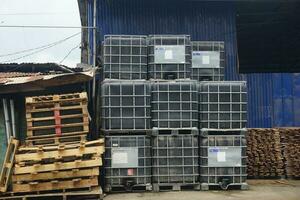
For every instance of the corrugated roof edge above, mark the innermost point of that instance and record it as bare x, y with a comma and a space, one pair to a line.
36, 67
38, 81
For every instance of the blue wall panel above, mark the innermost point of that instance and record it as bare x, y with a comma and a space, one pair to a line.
274, 99
277, 100
201, 20
287, 99
296, 99
259, 100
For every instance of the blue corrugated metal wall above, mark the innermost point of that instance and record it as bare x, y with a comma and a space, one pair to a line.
273, 98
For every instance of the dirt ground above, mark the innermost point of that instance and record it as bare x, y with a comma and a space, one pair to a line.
259, 190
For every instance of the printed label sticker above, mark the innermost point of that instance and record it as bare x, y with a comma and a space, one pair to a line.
119, 158
221, 156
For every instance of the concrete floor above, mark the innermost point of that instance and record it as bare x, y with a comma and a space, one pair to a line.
259, 190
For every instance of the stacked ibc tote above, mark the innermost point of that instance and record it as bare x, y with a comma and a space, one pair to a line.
174, 109
126, 116
222, 119
156, 94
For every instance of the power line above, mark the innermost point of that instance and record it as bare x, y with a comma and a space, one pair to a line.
69, 53
36, 13
30, 54
37, 51
40, 47
48, 27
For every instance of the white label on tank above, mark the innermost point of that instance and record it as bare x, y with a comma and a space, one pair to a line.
168, 54
205, 60
221, 156
119, 158
115, 145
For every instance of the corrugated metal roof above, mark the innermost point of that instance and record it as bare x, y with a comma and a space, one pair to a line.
17, 74
273, 98
36, 68
11, 83
9, 77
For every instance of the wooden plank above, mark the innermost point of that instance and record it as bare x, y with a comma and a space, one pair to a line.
45, 186
60, 146
8, 164
56, 97
58, 166
54, 141
38, 119
36, 110
55, 101
83, 95
50, 104
53, 126
29, 133
58, 154
47, 108
67, 129
53, 135
73, 173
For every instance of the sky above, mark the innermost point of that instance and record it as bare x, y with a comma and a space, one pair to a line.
45, 13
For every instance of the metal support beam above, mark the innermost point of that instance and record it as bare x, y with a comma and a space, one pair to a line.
13, 118
7, 121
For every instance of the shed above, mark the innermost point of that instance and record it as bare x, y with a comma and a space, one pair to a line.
28, 79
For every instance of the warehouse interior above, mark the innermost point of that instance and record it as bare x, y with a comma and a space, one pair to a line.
268, 36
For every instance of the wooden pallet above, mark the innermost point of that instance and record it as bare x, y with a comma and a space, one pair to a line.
60, 146
65, 130
62, 154
57, 115
56, 185
8, 164
58, 152
55, 175
58, 97
66, 194
53, 141
58, 166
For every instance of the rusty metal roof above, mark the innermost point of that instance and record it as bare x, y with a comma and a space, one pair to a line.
17, 74
9, 77
36, 68
12, 82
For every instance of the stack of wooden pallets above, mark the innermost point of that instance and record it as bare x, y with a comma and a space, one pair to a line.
290, 138
56, 160
264, 154
58, 167
57, 118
